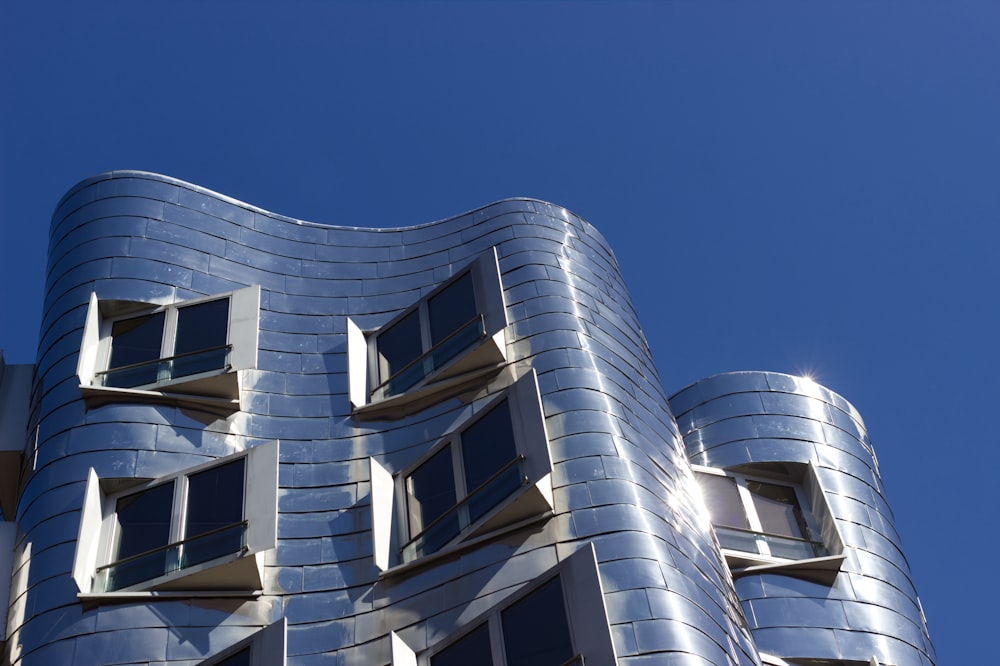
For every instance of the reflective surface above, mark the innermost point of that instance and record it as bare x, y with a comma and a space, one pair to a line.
621, 478
759, 423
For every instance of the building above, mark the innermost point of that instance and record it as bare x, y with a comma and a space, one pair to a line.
255, 440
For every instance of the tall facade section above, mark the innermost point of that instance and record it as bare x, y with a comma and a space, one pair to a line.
257, 440
820, 571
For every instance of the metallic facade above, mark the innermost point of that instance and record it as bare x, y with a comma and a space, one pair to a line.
623, 501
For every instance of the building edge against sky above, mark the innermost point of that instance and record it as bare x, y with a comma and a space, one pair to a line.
255, 440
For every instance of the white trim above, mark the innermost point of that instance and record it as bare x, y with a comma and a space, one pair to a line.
817, 515
382, 491
402, 655
238, 574
532, 501
217, 390
468, 369
583, 601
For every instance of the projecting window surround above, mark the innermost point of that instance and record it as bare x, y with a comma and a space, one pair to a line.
560, 620
264, 648
203, 529
773, 517
492, 474
452, 337
191, 351
768, 660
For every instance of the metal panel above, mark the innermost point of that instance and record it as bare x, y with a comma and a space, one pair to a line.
799, 421
620, 468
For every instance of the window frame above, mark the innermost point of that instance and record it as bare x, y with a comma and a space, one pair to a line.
499, 634
466, 367
267, 647
583, 604
215, 387
532, 500
816, 515
236, 573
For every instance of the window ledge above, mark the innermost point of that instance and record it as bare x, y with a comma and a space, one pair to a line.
216, 392
459, 546
822, 570
237, 572
485, 360
123, 597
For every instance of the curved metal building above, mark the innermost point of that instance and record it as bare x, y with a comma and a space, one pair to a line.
257, 440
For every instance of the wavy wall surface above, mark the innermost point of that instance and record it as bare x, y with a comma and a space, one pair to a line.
620, 478
755, 420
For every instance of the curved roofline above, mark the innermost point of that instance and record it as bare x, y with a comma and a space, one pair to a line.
758, 372
149, 175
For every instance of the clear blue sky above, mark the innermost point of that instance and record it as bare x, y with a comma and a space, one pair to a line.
792, 186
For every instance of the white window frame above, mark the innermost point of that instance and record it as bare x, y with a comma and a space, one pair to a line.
481, 359
583, 600
816, 512
267, 647
236, 574
218, 388
529, 503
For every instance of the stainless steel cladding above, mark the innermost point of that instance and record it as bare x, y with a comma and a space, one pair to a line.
257, 440
821, 575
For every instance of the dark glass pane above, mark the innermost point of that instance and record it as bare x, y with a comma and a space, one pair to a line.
135, 340
204, 326
494, 492
406, 379
435, 537
487, 446
451, 308
241, 658
778, 509
535, 629
214, 501
204, 361
432, 489
144, 520
143, 525
398, 345
471, 650
723, 501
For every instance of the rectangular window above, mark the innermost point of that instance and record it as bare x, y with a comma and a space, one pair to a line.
489, 474
761, 517
428, 337
170, 344
191, 348
175, 525
775, 518
462, 481
453, 335
533, 631
560, 620
179, 527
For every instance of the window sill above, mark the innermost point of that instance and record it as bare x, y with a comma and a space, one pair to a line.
124, 597
217, 392
822, 570
464, 372
528, 505
236, 574
459, 546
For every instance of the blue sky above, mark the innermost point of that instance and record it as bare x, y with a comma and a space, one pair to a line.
796, 186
